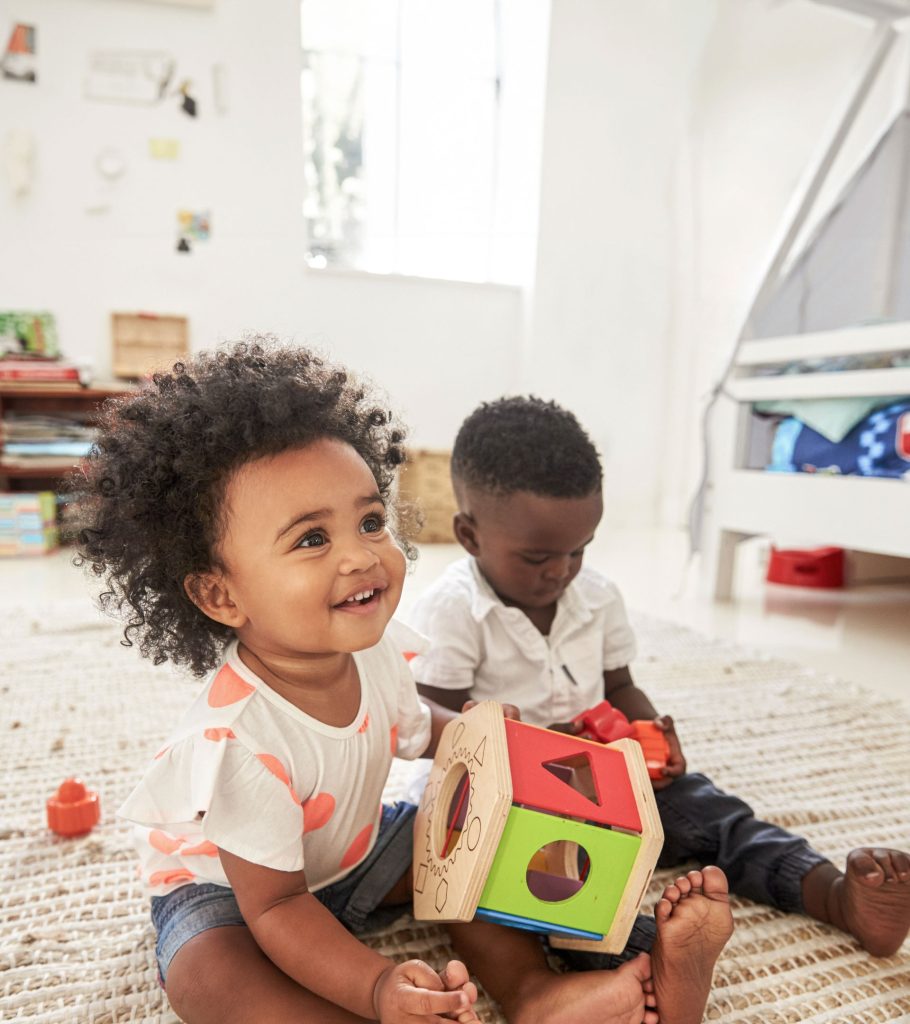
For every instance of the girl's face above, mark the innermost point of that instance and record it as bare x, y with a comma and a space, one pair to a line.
310, 565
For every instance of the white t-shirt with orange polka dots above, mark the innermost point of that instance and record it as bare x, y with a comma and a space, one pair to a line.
249, 772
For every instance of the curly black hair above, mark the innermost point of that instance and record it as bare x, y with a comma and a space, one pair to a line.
151, 493
526, 444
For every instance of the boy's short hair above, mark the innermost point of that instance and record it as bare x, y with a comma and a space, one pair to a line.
526, 444
150, 495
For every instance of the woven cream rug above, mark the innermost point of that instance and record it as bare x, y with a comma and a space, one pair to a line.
814, 754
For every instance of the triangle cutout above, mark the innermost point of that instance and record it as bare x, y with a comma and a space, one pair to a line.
576, 772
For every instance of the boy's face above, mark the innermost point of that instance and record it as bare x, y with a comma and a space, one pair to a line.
306, 532
529, 547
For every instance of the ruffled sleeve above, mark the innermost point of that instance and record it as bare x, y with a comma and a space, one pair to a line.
243, 801
411, 733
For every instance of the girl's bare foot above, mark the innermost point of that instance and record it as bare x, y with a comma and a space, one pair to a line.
693, 925
871, 900
623, 996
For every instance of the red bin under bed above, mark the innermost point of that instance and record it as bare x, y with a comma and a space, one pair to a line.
820, 567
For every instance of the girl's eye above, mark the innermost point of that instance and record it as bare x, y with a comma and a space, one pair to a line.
313, 539
534, 561
373, 524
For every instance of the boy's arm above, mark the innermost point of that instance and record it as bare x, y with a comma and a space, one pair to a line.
620, 690
451, 705
302, 938
454, 700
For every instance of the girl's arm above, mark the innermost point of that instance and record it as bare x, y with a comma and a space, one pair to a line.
301, 937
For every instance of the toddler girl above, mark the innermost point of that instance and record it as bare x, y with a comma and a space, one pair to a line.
240, 512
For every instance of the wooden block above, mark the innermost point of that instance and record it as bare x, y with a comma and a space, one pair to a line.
613, 801
589, 904
652, 841
448, 881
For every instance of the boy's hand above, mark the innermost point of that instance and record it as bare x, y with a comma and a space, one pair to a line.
413, 993
676, 763
508, 710
570, 728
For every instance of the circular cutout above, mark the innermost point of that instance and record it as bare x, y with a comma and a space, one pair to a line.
558, 871
454, 800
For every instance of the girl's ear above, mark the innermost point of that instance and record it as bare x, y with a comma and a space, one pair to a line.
209, 592
466, 532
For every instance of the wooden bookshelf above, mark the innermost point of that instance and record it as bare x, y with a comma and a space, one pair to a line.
47, 400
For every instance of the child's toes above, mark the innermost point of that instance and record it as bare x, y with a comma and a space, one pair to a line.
671, 893
662, 910
684, 883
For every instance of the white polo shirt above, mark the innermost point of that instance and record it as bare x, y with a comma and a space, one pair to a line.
479, 644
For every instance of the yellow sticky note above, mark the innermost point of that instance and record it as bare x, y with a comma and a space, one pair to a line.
164, 149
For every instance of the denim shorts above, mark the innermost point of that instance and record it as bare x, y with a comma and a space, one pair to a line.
354, 900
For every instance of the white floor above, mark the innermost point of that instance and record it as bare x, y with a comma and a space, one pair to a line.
861, 634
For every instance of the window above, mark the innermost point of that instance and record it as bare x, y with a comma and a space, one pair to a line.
422, 127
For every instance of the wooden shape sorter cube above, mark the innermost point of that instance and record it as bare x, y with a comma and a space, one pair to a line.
535, 829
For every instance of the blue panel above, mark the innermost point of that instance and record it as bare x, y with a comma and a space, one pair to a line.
514, 921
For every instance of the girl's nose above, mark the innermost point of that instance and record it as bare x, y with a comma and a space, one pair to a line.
358, 556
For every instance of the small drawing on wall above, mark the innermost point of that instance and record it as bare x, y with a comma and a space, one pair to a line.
192, 227
188, 103
19, 62
129, 76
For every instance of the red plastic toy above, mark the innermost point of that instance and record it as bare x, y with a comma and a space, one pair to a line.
73, 810
605, 724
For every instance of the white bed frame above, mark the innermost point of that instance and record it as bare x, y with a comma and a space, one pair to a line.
856, 513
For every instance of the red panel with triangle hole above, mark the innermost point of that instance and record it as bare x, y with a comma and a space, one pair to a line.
554, 772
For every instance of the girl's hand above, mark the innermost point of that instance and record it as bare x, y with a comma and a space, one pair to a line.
676, 763
413, 993
508, 710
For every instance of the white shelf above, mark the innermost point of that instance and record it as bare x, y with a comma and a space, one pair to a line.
846, 342
821, 385
756, 502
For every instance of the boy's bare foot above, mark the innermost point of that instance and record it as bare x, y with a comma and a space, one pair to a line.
871, 900
623, 996
693, 925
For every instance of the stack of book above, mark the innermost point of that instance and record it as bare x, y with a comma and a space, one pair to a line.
34, 373
45, 442
28, 523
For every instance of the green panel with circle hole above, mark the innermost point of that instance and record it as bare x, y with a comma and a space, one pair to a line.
590, 904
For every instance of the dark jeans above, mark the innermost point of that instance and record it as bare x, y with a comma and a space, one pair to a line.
762, 862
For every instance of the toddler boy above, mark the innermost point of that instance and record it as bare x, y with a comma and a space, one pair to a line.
521, 620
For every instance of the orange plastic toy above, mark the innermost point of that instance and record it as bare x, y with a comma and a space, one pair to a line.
604, 723
654, 746
73, 810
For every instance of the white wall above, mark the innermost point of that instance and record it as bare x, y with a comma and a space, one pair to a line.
437, 347
602, 326
675, 137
